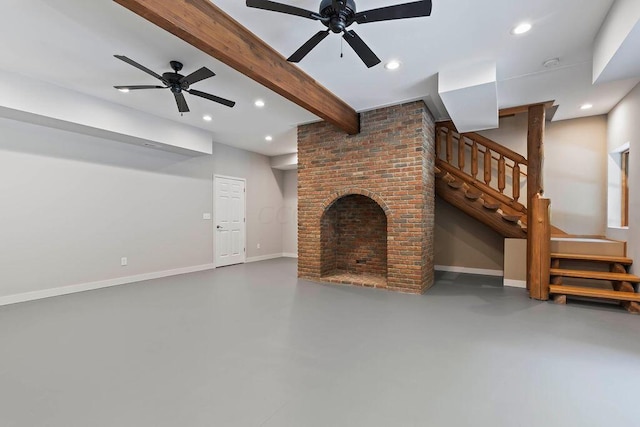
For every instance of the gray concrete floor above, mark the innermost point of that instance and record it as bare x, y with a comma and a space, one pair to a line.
251, 345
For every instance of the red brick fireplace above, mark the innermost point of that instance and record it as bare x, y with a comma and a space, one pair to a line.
366, 202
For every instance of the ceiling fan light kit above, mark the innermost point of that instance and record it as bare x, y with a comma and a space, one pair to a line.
176, 83
338, 15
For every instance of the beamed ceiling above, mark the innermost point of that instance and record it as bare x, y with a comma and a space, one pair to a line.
71, 43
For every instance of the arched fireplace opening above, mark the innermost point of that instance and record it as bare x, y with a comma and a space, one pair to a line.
354, 242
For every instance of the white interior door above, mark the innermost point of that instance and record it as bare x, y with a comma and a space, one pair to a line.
229, 220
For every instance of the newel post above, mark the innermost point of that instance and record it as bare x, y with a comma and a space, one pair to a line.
535, 151
539, 248
538, 226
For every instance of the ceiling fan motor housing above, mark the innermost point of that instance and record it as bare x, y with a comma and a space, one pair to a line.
173, 79
340, 19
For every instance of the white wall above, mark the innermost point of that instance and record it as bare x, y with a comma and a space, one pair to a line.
71, 205
289, 217
575, 171
624, 127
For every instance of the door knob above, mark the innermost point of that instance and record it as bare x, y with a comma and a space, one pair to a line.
219, 227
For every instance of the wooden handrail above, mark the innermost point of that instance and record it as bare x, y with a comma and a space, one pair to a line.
491, 192
494, 146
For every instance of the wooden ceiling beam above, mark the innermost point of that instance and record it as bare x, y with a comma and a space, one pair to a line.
205, 26
512, 111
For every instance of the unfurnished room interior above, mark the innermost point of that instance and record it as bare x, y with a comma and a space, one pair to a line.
319, 213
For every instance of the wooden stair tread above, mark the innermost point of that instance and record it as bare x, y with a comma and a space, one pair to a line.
593, 293
473, 195
598, 258
512, 218
455, 184
490, 205
597, 275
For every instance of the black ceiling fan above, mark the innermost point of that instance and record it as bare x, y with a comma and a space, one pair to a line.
337, 15
177, 83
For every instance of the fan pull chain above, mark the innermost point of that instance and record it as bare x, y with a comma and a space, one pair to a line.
341, 46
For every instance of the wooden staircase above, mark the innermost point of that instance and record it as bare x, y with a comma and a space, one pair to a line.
606, 275
485, 179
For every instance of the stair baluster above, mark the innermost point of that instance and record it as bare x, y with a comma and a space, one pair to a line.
461, 153
515, 182
474, 160
501, 174
487, 166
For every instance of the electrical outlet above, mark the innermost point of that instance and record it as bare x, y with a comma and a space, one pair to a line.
258, 246
124, 261
206, 216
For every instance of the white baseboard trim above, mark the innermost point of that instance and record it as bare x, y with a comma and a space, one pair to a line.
263, 257
70, 289
522, 284
466, 270
272, 256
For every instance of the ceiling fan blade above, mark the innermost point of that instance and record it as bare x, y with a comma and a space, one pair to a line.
399, 11
360, 47
198, 75
141, 87
181, 102
139, 67
212, 97
308, 46
283, 8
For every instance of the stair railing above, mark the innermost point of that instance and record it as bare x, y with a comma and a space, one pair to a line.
479, 160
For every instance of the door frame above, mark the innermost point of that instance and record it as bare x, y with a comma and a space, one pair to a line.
215, 220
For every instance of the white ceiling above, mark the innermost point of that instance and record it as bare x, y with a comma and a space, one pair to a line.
71, 43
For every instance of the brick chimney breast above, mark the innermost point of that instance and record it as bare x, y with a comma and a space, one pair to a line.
366, 201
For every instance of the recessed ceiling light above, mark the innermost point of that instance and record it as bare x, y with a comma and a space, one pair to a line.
207, 118
586, 106
268, 138
521, 28
259, 103
124, 90
392, 65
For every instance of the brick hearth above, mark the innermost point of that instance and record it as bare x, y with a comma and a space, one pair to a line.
366, 202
